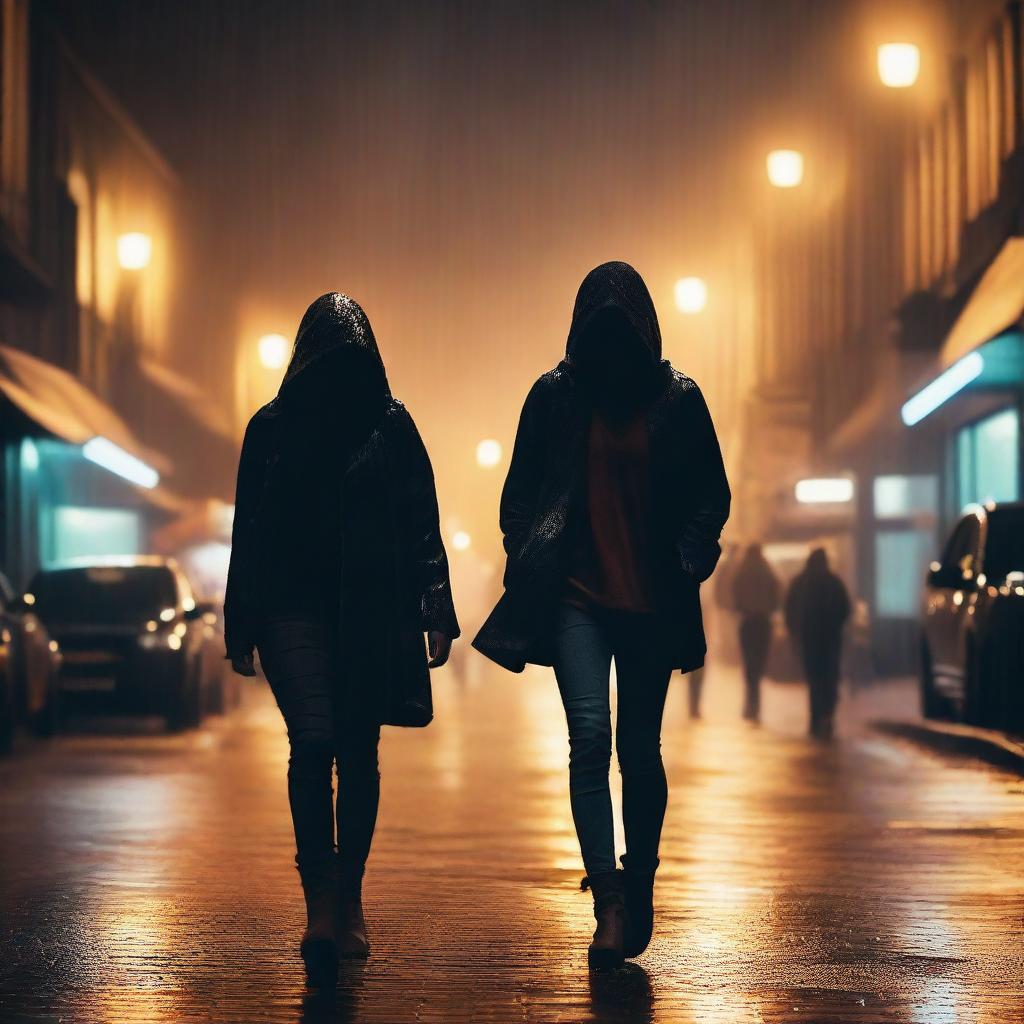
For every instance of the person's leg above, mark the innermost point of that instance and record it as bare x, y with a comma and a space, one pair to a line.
643, 678
751, 683
582, 666
760, 640
297, 662
695, 688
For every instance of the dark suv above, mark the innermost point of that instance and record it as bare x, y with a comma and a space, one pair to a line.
972, 651
131, 634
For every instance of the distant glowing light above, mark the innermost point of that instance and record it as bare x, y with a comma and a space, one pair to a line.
174, 641
899, 64
167, 614
29, 455
134, 250
785, 168
273, 349
54, 646
108, 455
691, 294
942, 389
824, 490
461, 540
488, 453
29, 599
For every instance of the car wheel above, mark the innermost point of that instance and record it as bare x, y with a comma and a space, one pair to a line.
7, 726
979, 700
48, 720
932, 704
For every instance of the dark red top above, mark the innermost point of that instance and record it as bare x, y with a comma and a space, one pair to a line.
611, 559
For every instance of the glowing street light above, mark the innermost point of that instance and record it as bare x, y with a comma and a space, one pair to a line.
898, 64
115, 459
488, 453
273, 349
134, 250
461, 540
785, 168
691, 294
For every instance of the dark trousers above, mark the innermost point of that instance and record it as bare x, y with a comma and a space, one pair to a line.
299, 659
585, 643
821, 667
755, 639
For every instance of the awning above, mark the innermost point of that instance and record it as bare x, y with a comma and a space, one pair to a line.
995, 305
189, 397
66, 408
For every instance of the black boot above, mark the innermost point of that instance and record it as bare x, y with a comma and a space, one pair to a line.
638, 883
350, 923
605, 950
319, 946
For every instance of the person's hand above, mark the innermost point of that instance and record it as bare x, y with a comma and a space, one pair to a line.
243, 664
440, 646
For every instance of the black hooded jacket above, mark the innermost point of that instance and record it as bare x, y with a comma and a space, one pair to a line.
544, 496
335, 463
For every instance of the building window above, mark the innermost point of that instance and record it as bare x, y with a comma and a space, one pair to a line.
988, 459
906, 497
901, 560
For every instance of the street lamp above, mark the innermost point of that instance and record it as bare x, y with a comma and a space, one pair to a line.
898, 64
134, 250
488, 453
691, 294
785, 168
273, 349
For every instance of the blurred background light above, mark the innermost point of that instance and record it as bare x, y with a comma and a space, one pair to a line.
898, 64
273, 349
134, 250
488, 453
108, 455
943, 388
824, 490
785, 168
691, 294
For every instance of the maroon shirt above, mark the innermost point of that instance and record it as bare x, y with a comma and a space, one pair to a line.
611, 560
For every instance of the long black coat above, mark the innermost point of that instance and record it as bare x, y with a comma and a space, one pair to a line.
545, 492
394, 583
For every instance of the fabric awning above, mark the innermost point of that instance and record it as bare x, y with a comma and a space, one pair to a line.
66, 408
995, 305
189, 397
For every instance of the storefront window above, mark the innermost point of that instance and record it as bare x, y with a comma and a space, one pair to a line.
901, 560
903, 497
81, 532
988, 459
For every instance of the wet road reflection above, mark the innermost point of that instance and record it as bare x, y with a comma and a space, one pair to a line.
148, 878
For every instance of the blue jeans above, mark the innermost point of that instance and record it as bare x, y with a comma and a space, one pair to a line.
585, 643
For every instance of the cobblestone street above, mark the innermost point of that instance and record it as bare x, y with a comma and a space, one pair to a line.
866, 881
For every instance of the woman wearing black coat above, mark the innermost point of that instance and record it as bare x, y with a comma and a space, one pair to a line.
611, 513
337, 571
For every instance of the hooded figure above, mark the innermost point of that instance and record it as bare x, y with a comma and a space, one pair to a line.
337, 572
817, 607
611, 512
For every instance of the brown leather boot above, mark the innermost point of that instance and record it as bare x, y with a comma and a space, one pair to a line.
350, 924
638, 883
606, 949
319, 946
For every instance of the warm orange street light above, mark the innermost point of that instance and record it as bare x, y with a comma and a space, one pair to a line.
134, 250
691, 294
273, 349
488, 453
785, 168
899, 64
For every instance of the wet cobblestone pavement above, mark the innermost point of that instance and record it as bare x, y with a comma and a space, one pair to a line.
147, 878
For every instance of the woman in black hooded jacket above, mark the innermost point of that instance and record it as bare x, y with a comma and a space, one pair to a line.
337, 571
615, 499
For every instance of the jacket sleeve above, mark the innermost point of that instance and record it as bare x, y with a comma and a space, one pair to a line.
709, 495
423, 534
239, 610
521, 492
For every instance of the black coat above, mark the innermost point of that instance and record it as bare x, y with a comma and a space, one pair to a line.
545, 491
393, 584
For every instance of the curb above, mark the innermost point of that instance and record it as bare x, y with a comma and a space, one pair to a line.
988, 745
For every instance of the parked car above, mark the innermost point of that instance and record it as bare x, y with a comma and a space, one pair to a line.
972, 649
29, 693
132, 636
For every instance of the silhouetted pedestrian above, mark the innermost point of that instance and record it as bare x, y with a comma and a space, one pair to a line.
755, 598
817, 607
611, 513
337, 571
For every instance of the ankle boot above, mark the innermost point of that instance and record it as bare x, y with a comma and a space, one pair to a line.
319, 947
353, 943
638, 883
609, 911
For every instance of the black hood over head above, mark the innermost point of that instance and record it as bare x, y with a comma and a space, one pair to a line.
614, 342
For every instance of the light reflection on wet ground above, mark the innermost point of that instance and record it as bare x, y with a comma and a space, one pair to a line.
148, 878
